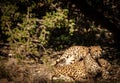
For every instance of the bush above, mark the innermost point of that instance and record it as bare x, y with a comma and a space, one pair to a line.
27, 37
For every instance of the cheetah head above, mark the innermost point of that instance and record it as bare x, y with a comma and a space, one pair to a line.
96, 51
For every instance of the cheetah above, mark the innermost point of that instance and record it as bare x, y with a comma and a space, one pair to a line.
75, 71
77, 53
83, 71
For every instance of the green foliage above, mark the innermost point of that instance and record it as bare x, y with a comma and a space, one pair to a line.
27, 36
22, 37
9, 15
58, 19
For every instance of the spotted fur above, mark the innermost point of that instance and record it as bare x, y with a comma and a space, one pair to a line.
96, 51
76, 71
92, 67
77, 53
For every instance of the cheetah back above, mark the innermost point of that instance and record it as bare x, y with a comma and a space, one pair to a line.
75, 71
73, 54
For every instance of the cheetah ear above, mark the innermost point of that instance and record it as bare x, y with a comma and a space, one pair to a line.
90, 47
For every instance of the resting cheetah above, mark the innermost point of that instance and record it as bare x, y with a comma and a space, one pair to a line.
76, 53
82, 71
76, 71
